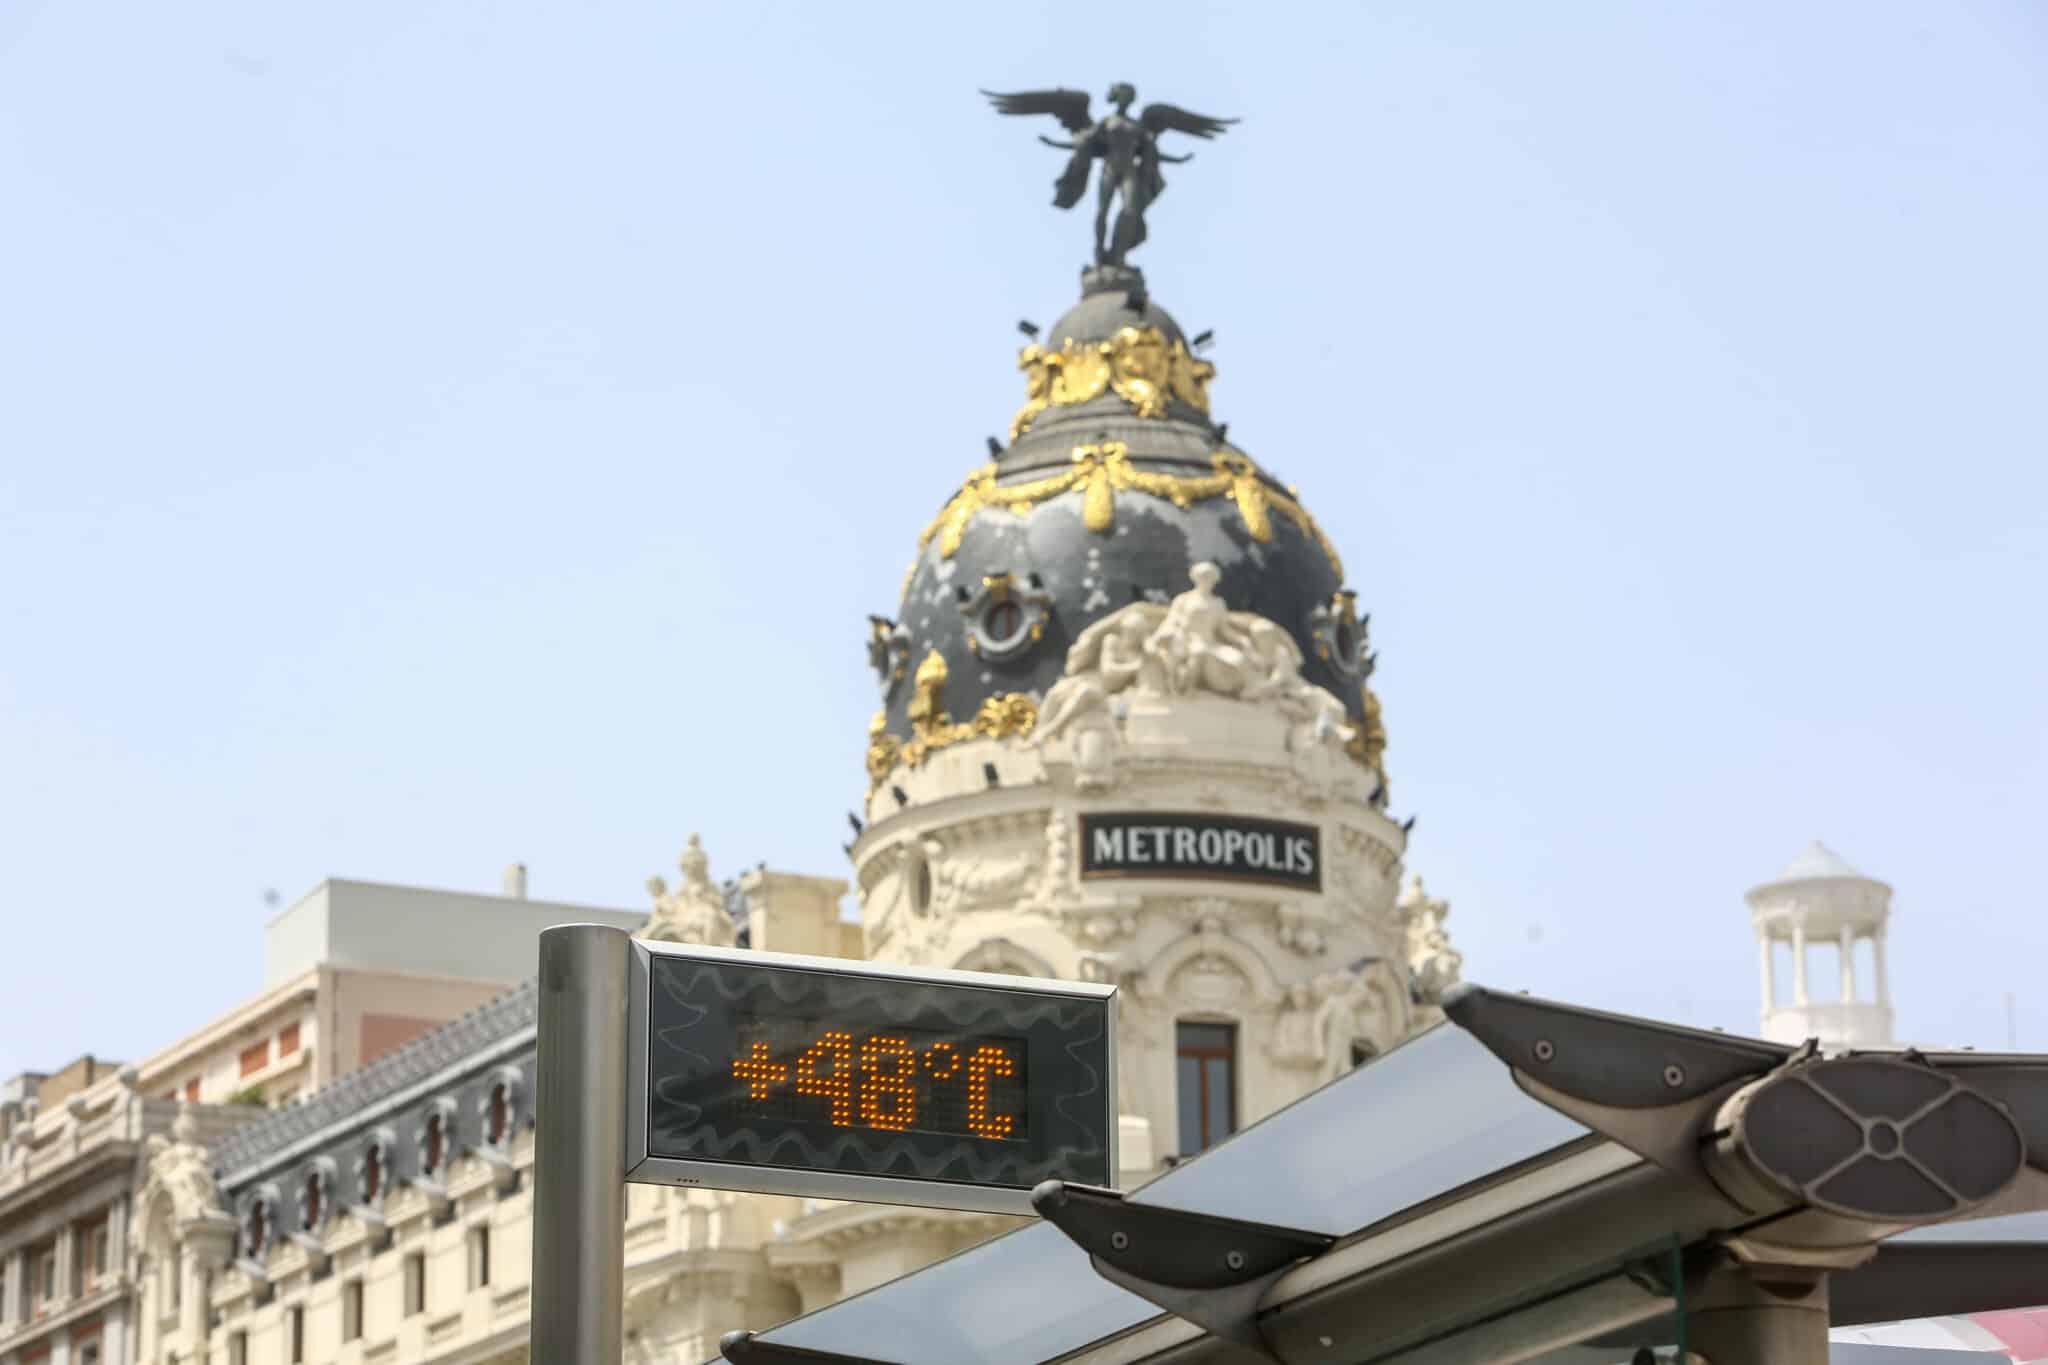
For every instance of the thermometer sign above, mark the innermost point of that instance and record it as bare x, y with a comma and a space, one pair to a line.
858, 1080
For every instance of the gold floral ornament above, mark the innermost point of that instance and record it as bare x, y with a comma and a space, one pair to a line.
1139, 364
1006, 716
1369, 744
882, 750
1101, 471
1010, 715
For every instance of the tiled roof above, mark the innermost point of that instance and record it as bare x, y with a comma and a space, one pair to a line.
427, 1055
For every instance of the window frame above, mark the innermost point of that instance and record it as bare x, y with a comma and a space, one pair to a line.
1226, 1052
414, 1283
352, 1309
42, 1279
478, 1244
92, 1237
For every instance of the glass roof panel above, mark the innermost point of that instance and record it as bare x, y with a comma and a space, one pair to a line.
2013, 1227
1020, 1299
1432, 1115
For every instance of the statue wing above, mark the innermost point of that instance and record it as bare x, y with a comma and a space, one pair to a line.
1073, 181
1171, 118
1070, 107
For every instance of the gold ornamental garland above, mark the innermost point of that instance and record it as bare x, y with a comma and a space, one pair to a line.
1138, 364
1100, 471
1000, 717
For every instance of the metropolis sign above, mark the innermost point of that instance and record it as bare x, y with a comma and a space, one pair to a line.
1218, 847
852, 1080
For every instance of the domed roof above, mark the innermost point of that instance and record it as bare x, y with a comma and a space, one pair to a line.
1817, 861
1115, 483
1112, 299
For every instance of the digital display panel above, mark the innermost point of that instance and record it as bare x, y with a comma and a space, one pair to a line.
891, 1079
856, 1080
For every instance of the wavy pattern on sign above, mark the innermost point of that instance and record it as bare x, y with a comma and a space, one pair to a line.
694, 1002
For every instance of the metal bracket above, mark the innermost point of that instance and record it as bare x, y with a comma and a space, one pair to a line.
1611, 1060
1207, 1270
744, 1348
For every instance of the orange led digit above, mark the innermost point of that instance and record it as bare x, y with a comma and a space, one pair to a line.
759, 1070
988, 1060
943, 1061
834, 1049
887, 1098
887, 1079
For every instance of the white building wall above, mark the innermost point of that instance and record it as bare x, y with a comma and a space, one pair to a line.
375, 927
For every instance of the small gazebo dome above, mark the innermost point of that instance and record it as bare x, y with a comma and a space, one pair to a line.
1819, 901
1817, 862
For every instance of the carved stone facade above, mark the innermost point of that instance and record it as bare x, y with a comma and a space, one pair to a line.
1185, 706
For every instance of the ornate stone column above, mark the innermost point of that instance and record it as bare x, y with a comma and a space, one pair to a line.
67, 1262
207, 1240
12, 1294
1769, 971
1799, 996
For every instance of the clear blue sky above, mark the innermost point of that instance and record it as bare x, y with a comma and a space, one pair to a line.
440, 433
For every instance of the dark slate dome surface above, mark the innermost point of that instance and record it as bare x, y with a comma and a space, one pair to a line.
1110, 300
1145, 554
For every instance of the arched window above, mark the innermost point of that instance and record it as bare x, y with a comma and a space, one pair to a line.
435, 1149
498, 1116
1004, 956
314, 1200
373, 1172
256, 1231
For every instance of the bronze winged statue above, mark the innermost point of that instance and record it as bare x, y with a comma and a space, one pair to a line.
1127, 147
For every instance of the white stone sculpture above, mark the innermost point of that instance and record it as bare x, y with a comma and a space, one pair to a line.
1195, 644
180, 1173
1296, 1040
1339, 1022
1432, 961
695, 911
1298, 929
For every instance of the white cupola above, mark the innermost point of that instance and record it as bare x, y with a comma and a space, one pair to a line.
1824, 910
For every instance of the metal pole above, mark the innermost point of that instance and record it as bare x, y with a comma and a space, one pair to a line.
1753, 1315
579, 1158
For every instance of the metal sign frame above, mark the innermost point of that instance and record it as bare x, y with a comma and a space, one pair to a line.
646, 1169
